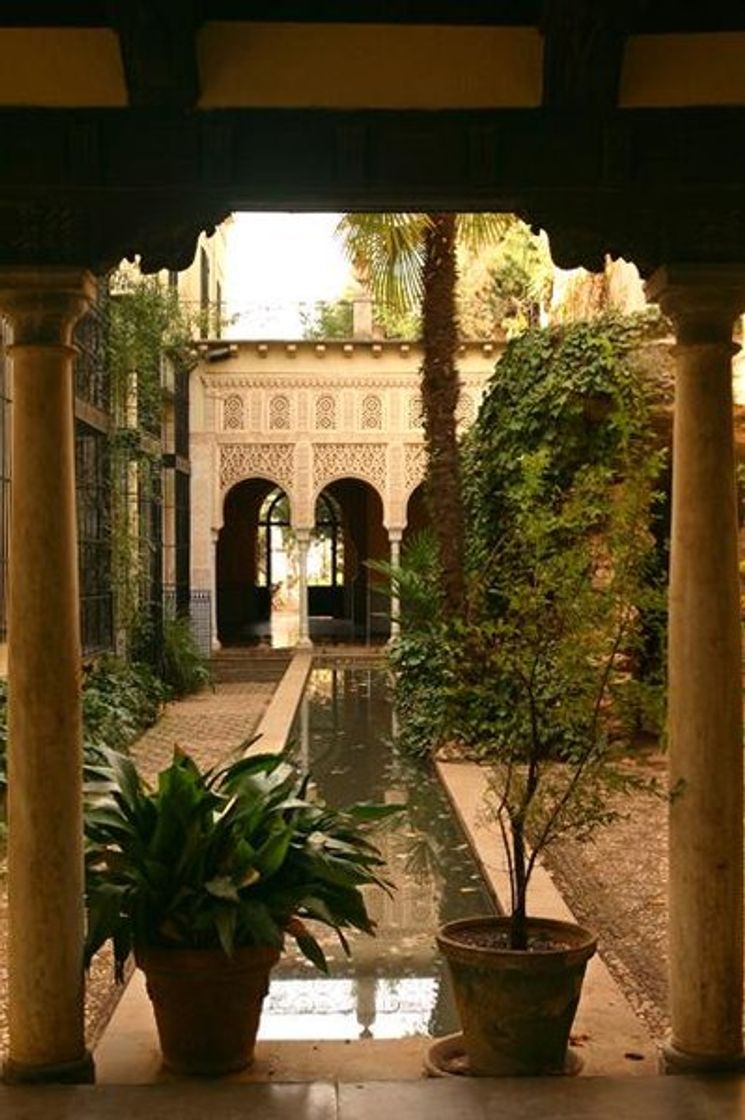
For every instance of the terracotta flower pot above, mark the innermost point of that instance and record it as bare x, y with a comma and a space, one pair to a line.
516, 1008
207, 1005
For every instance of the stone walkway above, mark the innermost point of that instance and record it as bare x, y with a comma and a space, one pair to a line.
211, 726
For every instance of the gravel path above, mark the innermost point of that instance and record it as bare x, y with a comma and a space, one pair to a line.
617, 885
211, 726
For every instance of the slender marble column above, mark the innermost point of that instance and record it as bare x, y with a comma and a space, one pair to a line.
45, 865
394, 539
215, 642
302, 536
705, 677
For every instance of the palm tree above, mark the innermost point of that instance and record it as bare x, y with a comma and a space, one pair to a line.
410, 260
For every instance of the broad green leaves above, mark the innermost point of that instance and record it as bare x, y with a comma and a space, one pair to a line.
226, 857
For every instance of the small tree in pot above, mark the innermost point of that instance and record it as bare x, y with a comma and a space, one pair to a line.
536, 673
205, 876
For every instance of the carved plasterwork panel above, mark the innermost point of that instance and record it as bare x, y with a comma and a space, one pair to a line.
279, 412
246, 460
232, 413
358, 460
325, 412
415, 415
415, 460
466, 410
372, 411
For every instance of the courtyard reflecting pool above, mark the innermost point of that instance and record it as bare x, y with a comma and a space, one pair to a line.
394, 984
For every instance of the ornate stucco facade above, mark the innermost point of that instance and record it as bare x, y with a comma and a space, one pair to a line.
305, 414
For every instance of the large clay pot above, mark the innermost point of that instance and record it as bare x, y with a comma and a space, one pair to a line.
207, 1005
516, 1008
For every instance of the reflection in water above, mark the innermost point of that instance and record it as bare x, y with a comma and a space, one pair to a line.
394, 984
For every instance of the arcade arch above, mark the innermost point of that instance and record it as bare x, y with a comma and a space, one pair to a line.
281, 583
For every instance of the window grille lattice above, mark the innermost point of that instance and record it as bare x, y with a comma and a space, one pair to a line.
93, 492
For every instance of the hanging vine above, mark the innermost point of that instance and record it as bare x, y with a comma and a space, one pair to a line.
149, 331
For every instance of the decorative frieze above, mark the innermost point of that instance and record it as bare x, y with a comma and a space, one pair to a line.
232, 413
248, 460
356, 460
372, 411
415, 460
415, 414
325, 413
279, 412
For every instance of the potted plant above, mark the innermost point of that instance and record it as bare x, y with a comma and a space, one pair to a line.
203, 878
536, 675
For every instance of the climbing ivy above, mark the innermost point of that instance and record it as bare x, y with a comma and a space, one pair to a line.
148, 331
562, 448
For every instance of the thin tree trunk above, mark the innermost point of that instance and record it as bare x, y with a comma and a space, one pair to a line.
440, 391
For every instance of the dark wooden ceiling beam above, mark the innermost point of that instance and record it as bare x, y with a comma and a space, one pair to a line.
157, 39
583, 52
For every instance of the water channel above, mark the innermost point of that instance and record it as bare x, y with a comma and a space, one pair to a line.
394, 984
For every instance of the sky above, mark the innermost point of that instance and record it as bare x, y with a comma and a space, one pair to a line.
275, 262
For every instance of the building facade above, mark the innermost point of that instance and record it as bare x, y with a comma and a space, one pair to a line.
332, 422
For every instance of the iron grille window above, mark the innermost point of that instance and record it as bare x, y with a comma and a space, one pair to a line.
183, 561
181, 412
93, 475
92, 381
93, 486
150, 524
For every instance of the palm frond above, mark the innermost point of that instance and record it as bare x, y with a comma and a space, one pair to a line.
477, 231
387, 250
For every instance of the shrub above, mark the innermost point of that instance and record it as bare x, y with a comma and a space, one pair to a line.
184, 668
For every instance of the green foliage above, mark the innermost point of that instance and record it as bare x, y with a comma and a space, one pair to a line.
149, 336
327, 320
560, 478
224, 858
504, 288
184, 669
416, 655
120, 699
574, 391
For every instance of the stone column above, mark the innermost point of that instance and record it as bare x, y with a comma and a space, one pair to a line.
705, 677
394, 539
45, 864
215, 640
302, 537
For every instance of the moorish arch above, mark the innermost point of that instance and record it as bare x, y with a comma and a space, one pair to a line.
344, 599
252, 510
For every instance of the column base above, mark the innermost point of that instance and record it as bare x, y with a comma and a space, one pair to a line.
80, 1072
303, 643
673, 1061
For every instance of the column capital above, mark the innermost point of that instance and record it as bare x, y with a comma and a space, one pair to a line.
395, 535
703, 300
302, 536
44, 304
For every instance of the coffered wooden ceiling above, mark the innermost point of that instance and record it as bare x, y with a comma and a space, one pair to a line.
129, 125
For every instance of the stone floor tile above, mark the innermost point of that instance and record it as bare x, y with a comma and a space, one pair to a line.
199, 1100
